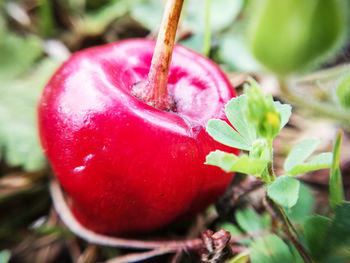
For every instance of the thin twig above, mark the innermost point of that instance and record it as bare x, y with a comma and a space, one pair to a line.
137, 257
176, 257
89, 255
94, 238
158, 247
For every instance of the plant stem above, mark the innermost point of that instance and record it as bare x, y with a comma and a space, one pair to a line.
207, 35
277, 211
155, 91
325, 74
327, 110
336, 188
288, 228
271, 172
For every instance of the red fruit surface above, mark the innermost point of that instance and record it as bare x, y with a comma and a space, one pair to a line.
126, 166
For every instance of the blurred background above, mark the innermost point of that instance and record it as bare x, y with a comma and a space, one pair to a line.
36, 36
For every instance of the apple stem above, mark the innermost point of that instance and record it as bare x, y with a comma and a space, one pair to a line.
155, 91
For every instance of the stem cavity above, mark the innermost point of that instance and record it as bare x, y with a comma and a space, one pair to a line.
154, 91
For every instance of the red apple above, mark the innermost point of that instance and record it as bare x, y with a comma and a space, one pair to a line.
126, 166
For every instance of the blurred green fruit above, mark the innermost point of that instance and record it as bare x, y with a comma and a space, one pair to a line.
291, 35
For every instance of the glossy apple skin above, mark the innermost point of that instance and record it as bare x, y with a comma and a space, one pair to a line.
126, 166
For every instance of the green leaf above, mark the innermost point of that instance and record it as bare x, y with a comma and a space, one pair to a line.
225, 134
47, 22
285, 111
142, 10
5, 256
315, 231
2, 24
338, 236
296, 254
248, 220
233, 50
235, 113
300, 153
18, 125
260, 150
329, 240
17, 54
242, 257
95, 23
233, 163
222, 14
304, 206
336, 191
284, 191
194, 42
235, 231
265, 220
271, 249
321, 161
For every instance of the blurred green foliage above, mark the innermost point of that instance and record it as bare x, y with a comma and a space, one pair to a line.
23, 73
